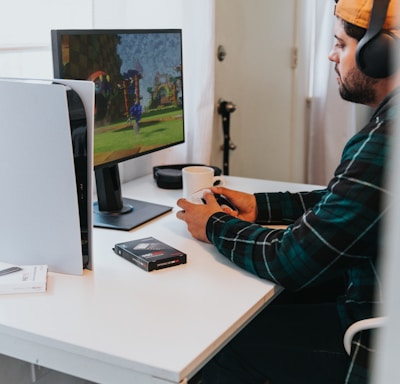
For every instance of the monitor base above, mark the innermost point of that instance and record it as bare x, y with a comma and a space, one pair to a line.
134, 213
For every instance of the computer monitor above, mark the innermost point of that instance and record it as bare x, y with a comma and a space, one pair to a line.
138, 106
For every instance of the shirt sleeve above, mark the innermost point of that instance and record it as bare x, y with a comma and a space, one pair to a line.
330, 229
285, 207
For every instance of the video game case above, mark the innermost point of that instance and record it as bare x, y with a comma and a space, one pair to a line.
150, 254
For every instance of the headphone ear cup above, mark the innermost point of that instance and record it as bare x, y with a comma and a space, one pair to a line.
373, 56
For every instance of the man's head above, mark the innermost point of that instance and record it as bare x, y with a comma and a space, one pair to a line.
353, 18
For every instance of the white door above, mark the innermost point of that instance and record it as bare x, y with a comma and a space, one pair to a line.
260, 76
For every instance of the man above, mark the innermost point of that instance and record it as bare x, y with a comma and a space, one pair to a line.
326, 258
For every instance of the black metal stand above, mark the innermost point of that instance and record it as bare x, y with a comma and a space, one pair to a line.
225, 108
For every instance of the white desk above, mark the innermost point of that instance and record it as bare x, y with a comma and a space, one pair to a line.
120, 324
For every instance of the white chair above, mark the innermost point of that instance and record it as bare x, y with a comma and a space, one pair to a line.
359, 326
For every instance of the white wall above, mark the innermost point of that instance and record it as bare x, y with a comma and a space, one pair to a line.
25, 26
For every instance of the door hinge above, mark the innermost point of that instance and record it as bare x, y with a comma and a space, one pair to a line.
294, 57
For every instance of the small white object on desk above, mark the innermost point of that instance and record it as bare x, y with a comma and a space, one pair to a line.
29, 279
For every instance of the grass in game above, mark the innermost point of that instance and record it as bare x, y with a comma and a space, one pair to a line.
156, 128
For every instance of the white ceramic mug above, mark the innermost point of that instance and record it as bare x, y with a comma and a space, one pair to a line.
198, 177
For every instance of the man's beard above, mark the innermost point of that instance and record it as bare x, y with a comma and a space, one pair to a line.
357, 87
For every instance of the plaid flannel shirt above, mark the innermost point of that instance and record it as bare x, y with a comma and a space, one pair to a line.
332, 232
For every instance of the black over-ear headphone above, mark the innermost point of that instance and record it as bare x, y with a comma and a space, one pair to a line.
374, 51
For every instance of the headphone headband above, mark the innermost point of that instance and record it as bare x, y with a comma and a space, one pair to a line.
378, 17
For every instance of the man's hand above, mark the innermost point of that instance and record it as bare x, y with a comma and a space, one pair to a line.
245, 203
197, 215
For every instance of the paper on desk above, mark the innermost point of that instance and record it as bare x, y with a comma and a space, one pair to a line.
32, 278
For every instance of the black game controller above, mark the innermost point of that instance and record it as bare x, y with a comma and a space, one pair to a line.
198, 198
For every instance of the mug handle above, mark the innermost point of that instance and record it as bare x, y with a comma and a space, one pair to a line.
218, 181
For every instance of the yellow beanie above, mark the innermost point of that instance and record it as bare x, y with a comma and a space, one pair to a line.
358, 12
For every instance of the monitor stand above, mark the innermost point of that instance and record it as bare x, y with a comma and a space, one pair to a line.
116, 212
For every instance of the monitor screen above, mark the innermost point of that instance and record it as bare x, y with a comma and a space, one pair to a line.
138, 104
